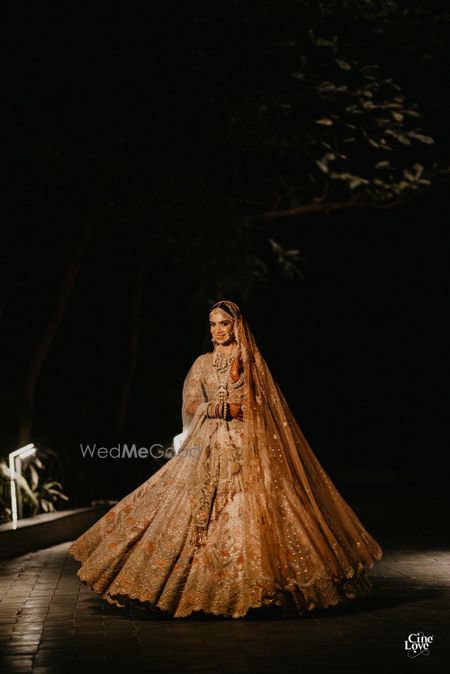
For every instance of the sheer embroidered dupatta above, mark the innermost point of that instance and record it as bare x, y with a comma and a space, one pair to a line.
278, 462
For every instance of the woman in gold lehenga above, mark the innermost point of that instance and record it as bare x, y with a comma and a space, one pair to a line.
242, 516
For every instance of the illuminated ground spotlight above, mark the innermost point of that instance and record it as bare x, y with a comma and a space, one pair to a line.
15, 467
178, 440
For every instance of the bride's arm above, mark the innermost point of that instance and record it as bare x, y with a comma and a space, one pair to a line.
192, 389
237, 387
237, 369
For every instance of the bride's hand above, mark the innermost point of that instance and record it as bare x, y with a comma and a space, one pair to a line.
236, 411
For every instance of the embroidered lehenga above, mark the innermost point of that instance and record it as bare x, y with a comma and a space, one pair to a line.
242, 516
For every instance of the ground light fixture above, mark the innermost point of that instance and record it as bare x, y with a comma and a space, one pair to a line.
15, 468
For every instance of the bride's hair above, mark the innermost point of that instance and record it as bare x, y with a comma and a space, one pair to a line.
228, 307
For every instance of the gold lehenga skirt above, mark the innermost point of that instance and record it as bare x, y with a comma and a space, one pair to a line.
177, 543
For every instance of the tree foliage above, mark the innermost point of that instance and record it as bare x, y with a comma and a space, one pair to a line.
224, 115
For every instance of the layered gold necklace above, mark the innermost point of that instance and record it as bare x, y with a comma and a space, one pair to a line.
222, 365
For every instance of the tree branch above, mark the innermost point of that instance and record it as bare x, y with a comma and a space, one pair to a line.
328, 207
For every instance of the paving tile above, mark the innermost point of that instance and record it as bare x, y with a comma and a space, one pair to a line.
51, 622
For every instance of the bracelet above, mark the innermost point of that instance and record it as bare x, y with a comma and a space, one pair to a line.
239, 382
220, 410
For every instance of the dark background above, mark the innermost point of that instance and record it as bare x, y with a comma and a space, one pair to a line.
113, 128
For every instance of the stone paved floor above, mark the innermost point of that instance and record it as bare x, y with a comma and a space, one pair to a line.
51, 622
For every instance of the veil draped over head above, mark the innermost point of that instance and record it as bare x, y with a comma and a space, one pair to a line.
277, 460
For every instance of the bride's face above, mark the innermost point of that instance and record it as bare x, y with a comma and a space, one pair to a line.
221, 327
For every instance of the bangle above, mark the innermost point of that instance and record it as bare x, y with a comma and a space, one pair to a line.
239, 382
219, 410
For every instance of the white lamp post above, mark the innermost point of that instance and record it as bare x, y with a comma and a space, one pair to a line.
15, 467
178, 440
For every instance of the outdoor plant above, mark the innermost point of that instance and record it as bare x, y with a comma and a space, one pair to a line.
40, 492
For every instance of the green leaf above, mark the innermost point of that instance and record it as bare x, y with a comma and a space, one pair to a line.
343, 64
353, 181
421, 137
398, 136
34, 477
323, 167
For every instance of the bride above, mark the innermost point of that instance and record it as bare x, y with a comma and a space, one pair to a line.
242, 516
